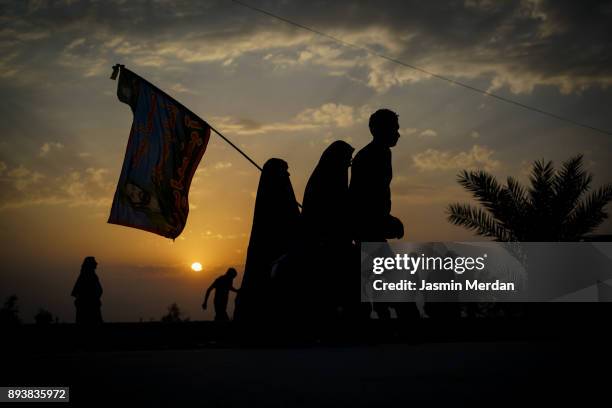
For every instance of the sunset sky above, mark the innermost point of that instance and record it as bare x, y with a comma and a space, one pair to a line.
277, 91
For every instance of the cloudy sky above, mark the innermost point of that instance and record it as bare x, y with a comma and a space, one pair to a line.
277, 91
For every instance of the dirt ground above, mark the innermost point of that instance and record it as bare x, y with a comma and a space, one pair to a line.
453, 374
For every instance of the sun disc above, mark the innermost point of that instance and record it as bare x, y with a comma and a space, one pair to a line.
196, 266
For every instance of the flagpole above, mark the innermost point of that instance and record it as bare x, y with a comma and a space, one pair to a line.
234, 146
118, 67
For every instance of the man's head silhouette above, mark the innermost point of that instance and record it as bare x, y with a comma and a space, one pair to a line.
231, 272
384, 126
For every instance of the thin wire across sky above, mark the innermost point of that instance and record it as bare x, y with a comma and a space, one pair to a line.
426, 72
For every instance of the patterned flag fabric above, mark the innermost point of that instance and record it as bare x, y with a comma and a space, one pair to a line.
165, 146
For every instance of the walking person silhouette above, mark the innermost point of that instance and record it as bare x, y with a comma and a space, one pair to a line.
370, 192
327, 232
222, 286
87, 292
275, 229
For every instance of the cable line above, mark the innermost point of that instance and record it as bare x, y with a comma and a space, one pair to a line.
424, 71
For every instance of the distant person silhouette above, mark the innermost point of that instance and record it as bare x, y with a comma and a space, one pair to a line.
275, 230
370, 192
87, 292
222, 286
326, 224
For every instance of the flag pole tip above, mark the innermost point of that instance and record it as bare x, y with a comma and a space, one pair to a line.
116, 69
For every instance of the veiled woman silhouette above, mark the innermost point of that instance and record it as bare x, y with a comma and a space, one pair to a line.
327, 230
274, 231
87, 292
326, 196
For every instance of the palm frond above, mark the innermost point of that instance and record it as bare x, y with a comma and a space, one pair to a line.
517, 207
478, 220
588, 214
487, 191
541, 192
543, 223
569, 184
516, 192
549, 210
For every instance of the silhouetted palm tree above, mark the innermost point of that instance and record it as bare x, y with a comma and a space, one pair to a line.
43, 317
174, 315
552, 209
9, 313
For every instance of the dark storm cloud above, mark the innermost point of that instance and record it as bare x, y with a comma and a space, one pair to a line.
515, 44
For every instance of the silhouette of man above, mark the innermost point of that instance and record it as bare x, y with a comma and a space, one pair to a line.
369, 190
87, 292
222, 285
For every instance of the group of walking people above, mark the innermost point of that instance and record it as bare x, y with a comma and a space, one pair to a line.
304, 265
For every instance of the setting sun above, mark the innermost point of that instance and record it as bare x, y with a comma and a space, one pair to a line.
196, 266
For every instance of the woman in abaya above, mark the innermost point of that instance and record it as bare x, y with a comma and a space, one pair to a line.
274, 231
326, 197
327, 227
87, 292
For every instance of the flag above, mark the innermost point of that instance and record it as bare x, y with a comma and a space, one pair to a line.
164, 149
